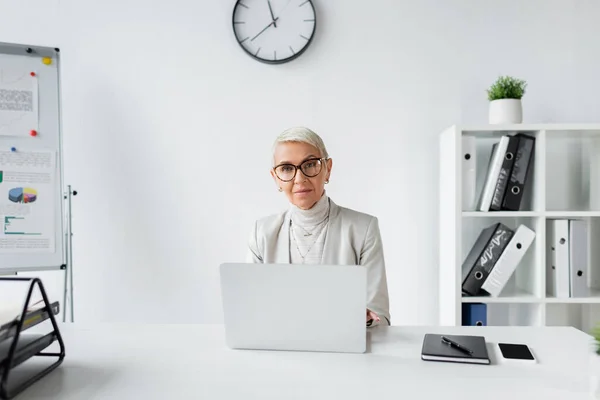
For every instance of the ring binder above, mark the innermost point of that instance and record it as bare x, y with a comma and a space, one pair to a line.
24, 347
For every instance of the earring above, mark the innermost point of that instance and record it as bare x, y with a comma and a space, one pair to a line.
327, 181
280, 189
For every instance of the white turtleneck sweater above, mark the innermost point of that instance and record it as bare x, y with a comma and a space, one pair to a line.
308, 229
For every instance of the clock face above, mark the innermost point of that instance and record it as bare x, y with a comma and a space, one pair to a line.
274, 31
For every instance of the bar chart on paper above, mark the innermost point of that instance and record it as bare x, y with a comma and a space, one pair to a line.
18, 226
25, 234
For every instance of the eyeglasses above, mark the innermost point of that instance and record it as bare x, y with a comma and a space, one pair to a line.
310, 168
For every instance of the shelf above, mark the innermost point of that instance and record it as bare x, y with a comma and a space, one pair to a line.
526, 214
592, 297
548, 128
525, 297
502, 214
564, 183
509, 295
572, 214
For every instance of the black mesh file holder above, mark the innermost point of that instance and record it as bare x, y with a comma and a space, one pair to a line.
20, 347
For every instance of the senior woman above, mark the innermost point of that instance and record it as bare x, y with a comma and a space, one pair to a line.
315, 230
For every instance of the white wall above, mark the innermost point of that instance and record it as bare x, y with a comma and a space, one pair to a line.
155, 93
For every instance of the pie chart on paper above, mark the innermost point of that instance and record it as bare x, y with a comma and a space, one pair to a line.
22, 195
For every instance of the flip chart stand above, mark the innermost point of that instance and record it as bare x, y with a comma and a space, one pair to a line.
25, 347
68, 286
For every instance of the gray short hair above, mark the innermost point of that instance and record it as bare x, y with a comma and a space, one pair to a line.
302, 134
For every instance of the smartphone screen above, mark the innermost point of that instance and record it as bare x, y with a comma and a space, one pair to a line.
515, 351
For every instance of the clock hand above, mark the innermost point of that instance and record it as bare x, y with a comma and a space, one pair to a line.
265, 28
271, 11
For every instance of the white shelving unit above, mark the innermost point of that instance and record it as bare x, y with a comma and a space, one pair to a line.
564, 183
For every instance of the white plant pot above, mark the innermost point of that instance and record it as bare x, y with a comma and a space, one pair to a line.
506, 111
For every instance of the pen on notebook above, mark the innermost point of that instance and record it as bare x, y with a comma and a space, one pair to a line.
456, 345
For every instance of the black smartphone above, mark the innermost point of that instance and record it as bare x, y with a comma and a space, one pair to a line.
515, 351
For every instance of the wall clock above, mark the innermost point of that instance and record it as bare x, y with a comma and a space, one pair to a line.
274, 31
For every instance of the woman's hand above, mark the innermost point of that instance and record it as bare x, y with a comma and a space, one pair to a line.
372, 316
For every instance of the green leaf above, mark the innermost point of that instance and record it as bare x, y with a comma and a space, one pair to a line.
507, 87
596, 334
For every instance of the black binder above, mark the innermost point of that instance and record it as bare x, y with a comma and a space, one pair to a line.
521, 170
505, 173
483, 256
436, 349
18, 347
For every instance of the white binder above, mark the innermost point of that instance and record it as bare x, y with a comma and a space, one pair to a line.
495, 164
578, 257
508, 260
469, 176
558, 263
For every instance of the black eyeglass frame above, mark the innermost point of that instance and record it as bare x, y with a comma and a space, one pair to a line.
299, 167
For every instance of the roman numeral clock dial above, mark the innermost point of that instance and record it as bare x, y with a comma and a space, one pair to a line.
274, 31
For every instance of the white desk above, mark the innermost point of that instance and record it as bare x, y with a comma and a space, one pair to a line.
192, 362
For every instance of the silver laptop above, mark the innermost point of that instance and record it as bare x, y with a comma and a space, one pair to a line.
295, 307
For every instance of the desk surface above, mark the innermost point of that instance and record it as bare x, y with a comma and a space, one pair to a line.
121, 361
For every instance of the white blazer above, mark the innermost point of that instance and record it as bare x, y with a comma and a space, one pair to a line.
353, 238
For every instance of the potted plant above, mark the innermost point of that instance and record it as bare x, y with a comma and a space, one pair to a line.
505, 100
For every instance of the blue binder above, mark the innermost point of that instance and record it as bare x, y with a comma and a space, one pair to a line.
474, 314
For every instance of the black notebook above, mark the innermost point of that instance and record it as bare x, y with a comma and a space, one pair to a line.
455, 348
